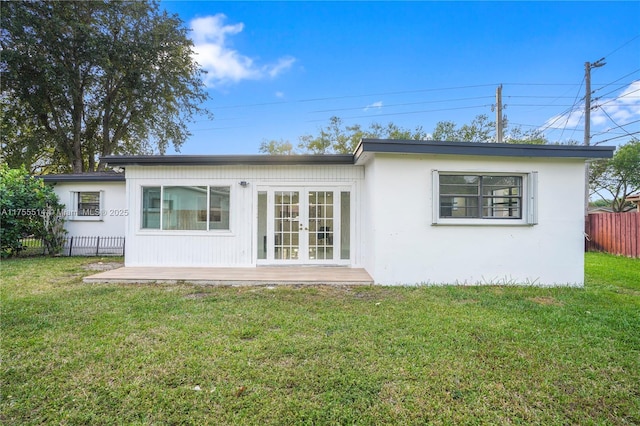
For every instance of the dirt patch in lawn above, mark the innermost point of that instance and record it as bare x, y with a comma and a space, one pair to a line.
197, 295
545, 300
103, 266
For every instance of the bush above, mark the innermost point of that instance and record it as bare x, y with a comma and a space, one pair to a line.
28, 207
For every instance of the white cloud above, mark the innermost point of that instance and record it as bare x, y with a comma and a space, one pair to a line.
225, 65
607, 113
375, 105
279, 95
622, 109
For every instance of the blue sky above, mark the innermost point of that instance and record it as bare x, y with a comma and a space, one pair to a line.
279, 70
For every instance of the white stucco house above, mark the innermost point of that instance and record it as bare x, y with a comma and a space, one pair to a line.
409, 212
95, 203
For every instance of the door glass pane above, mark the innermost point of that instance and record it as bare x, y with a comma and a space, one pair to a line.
345, 225
320, 225
286, 215
261, 244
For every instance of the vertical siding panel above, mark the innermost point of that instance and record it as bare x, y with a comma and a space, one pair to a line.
204, 249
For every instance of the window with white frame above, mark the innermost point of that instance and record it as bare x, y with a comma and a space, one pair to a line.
86, 204
195, 208
484, 197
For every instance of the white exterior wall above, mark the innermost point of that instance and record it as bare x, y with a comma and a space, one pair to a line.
236, 247
403, 246
112, 203
369, 212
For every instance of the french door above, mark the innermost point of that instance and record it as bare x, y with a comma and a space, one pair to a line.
304, 225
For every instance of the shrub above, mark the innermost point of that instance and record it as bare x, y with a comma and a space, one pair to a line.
28, 207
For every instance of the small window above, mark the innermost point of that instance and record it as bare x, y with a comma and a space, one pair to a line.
88, 203
467, 197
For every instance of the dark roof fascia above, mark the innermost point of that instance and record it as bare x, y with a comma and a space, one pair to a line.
226, 160
84, 177
485, 149
369, 145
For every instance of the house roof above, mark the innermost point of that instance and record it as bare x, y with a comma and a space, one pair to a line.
85, 177
226, 160
371, 146
634, 198
484, 149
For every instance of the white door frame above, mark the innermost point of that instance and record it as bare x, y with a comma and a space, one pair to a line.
303, 190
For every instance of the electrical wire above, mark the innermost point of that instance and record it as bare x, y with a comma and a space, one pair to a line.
406, 112
623, 45
329, 98
614, 122
616, 133
575, 102
403, 104
615, 81
617, 137
615, 99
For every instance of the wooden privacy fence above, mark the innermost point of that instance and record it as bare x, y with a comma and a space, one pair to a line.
615, 233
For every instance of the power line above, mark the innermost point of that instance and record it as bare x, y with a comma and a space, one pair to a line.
623, 45
575, 102
539, 97
614, 122
616, 98
407, 112
404, 104
328, 98
615, 81
572, 109
615, 133
540, 84
617, 137
304, 100
558, 117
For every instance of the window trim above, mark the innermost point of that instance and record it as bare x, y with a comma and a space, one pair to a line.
529, 211
208, 231
75, 203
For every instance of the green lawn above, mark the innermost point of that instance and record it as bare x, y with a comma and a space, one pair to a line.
74, 353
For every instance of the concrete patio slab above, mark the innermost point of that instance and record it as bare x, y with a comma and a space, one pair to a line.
261, 275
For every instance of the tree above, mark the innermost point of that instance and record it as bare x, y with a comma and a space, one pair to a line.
276, 147
338, 138
618, 177
88, 79
16, 124
479, 130
28, 207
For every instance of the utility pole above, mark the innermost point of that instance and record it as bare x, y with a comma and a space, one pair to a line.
587, 98
587, 123
499, 124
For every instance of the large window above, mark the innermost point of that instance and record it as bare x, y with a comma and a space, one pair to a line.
468, 197
480, 196
195, 208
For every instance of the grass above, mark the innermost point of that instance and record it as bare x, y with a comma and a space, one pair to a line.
179, 354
